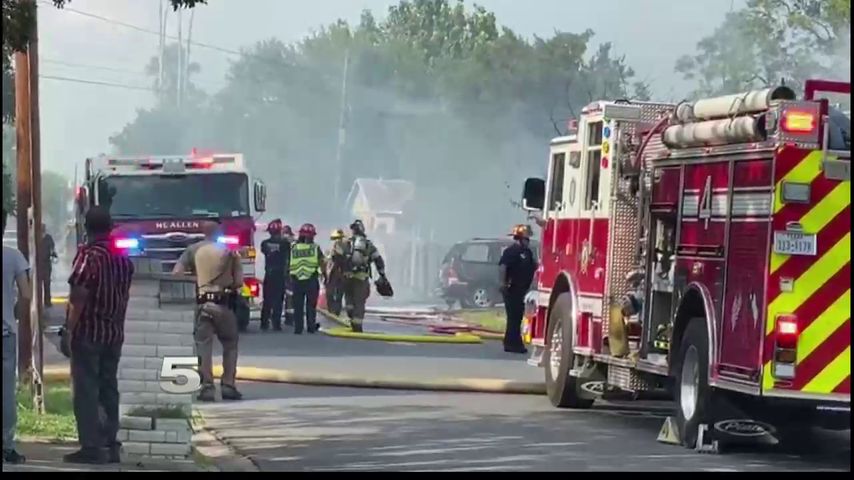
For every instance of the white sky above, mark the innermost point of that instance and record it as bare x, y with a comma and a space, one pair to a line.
78, 119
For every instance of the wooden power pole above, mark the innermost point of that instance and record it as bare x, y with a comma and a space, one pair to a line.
23, 197
39, 256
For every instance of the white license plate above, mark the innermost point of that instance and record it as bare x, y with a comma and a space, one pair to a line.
794, 243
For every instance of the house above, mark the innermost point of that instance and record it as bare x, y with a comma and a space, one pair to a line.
383, 205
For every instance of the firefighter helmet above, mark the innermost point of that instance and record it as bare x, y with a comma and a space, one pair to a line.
337, 234
357, 226
384, 287
307, 230
275, 226
521, 231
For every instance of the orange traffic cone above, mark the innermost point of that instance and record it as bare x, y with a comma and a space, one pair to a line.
321, 300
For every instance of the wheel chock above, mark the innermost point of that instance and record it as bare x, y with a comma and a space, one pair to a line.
669, 433
705, 442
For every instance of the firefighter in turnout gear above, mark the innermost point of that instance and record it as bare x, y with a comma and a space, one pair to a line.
517, 267
358, 253
219, 277
335, 275
306, 265
288, 234
277, 252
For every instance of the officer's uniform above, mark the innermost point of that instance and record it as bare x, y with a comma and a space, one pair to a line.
335, 278
359, 253
219, 276
305, 266
521, 266
277, 251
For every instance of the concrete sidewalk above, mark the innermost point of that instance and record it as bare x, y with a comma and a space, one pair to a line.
47, 457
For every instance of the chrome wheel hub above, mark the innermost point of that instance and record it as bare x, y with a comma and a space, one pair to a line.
555, 350
689, 383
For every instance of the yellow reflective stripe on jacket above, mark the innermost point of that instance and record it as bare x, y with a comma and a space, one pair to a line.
304, 261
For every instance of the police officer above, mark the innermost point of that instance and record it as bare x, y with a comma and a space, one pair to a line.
306, 265
517, 267
335, 276
219, 276
277, 252
358, 253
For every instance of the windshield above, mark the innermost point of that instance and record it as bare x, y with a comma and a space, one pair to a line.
221, 195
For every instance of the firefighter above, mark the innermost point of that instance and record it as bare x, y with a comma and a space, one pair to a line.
219, 277
277, 251
335, 275
306, 265
47, 257
517, 266
359, 253
288, 234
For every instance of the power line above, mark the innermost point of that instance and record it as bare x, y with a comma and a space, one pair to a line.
96, 82
93, 67
142, 29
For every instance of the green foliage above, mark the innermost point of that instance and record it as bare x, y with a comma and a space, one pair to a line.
437, 93
771, 40
57, 423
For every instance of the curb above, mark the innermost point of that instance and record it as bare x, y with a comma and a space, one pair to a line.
459, 338
214, 450
268, 375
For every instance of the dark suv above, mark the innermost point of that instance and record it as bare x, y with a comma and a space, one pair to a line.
469, 272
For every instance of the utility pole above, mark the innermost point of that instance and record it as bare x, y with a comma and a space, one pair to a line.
162, 17
187, 58
37, 306
342, 135
180, 73
24, 195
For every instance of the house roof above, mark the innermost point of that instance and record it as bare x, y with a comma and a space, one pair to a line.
383, 196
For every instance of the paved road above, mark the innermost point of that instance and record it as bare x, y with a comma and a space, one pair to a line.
315, 428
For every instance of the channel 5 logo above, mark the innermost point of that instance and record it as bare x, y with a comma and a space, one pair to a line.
180, 375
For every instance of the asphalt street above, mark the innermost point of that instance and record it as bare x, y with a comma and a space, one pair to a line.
288, 428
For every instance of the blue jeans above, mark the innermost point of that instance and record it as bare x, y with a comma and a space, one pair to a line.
10, 383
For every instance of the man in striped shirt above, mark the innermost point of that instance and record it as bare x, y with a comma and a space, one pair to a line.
100, 286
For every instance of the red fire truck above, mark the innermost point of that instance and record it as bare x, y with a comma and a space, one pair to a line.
702, 249
158, 203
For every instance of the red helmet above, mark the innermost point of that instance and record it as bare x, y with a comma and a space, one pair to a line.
307, 230
275, 226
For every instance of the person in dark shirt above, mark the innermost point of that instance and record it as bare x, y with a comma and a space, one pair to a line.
277, 252
47, 255
100, 287
517, 267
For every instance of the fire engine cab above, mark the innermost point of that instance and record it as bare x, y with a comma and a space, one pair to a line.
158, 204
701, 248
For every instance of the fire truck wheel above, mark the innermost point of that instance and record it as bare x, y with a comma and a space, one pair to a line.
691, 385
563, 390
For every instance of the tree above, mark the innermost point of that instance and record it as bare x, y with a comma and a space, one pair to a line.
770, 40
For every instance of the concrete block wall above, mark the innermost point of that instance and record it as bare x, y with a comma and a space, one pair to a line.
158, 324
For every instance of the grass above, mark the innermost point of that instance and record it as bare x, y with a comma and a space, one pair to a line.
58, 421
492, 319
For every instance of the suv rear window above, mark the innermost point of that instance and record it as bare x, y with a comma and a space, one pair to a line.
476, 252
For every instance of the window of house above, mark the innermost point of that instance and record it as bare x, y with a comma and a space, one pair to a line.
558, 174
478, 253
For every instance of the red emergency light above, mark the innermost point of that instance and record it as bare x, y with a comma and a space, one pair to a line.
787, 331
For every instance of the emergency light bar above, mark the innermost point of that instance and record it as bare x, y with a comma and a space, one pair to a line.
174, 163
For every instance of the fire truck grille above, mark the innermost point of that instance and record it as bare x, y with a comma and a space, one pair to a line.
168, 247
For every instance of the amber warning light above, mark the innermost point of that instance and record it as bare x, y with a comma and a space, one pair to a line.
795, 121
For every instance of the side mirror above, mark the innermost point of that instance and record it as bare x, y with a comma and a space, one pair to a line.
260, 196
534, 194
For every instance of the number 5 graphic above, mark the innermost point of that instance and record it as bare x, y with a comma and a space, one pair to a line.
176, 377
